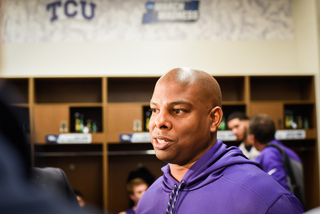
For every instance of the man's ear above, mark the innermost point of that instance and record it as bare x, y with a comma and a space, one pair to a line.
216, 115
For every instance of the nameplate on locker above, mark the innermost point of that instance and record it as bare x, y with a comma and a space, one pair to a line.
226, 135
290, 134
139, 137
69, 138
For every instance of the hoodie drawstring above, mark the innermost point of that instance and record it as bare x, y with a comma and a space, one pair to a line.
174, 194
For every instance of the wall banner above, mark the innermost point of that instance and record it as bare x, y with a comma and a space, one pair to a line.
171, 11
140, 20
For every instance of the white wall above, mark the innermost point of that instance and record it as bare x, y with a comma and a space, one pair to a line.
317, 76
306, 35
150, 58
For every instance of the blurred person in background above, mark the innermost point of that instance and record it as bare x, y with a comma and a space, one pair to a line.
136, 188
274, 157
238, 123
80, 198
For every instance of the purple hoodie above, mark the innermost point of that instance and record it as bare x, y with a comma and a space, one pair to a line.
221, 181
270, 161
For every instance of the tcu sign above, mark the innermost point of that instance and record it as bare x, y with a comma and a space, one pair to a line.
70, 9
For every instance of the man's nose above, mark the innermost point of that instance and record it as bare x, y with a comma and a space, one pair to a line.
162, 120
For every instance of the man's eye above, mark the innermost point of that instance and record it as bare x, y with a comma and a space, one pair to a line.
177, 111
153, 110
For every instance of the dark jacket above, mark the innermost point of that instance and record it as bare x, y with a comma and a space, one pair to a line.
54, 180
18, 194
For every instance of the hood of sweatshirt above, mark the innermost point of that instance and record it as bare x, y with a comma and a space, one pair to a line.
206, 169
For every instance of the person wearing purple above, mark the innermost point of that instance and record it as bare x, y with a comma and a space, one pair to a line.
202, 174
262, 133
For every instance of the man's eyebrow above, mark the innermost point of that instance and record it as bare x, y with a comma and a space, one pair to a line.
179, 102
152, 103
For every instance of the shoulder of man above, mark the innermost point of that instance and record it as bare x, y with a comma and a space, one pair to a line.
286, 204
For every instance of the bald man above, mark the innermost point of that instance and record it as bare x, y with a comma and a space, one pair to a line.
202, 174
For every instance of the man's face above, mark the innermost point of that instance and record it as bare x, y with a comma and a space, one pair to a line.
138, 191
180, 123
238, 128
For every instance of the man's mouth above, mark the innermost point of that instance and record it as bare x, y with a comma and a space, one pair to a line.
160, 143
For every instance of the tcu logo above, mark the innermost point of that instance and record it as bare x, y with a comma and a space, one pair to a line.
70, 9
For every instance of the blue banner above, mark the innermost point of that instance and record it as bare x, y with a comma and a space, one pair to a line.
171, 11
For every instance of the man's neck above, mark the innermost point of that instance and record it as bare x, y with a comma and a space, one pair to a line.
248, 148
261, 146
134, 208
247, 142
177, 172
